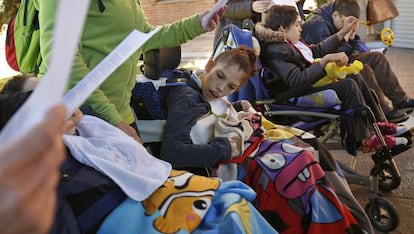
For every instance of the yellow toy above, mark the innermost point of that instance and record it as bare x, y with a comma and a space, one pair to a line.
335, 72
387, 36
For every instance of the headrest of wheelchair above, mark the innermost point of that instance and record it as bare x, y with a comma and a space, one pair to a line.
158, 60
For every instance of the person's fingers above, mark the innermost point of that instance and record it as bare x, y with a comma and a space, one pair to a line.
222, 11
212, 23
68, 125
138, 139
30, 147
41, 174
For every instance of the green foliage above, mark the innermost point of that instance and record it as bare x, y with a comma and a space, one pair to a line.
7, 9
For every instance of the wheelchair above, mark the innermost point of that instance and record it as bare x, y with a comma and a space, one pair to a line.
325, 122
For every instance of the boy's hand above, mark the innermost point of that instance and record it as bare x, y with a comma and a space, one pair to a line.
354, 31
349, 24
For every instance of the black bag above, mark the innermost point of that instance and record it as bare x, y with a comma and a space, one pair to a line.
85, 198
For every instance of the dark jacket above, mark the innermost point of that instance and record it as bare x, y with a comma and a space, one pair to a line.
288, 63
320, 26
185, 105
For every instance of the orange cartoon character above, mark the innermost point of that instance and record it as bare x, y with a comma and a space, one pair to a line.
182, 200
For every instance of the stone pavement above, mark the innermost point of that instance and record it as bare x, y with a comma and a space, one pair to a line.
197, 51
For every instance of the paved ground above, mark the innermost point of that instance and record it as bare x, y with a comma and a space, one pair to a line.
196, 53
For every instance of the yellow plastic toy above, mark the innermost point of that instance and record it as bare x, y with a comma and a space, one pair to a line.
335, 72
387, 36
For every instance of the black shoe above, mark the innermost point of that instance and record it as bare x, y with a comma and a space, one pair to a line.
396, 116
407, 105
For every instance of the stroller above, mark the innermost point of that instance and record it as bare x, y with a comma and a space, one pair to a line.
324, 121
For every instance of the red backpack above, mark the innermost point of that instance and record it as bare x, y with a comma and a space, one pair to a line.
10, 47
23, 39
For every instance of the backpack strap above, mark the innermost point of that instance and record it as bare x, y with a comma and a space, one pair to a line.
100, 209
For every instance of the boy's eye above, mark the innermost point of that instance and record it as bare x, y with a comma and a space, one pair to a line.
220, 75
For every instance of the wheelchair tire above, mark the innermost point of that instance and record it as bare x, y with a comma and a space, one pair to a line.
388, 179
382, 214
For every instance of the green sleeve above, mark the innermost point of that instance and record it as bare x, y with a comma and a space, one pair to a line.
175, 34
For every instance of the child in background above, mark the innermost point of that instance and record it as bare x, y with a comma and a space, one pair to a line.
293, 61
328, 20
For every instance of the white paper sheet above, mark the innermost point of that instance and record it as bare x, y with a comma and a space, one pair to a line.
69, 22
79, 93
219, 4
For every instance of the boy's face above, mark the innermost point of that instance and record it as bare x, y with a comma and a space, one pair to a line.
293, 32
221, 80
338, 20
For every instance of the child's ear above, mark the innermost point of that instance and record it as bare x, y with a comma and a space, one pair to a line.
334, 14
281, 29
210, 64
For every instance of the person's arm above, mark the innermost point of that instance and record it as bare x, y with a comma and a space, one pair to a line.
29, 173
326, 46
279, 59
184, 108
179, 32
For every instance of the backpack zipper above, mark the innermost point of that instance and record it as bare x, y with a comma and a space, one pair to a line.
26, 6
101, 6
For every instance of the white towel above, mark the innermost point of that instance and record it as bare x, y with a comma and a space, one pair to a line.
115, 154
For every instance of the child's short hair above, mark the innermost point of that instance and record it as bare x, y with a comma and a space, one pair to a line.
242, 56
9, 104
280, 16
347, 8
12, 98
14, 85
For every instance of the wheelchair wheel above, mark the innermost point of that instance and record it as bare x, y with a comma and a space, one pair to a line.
388, 179
382, 214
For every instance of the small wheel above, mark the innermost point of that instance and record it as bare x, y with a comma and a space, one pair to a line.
388, 179
382, 214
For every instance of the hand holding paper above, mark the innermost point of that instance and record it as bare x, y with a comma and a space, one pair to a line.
205, 21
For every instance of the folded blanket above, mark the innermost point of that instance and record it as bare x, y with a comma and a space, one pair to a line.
115, 154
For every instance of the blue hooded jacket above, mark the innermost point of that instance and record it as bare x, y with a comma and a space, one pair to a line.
320, 26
